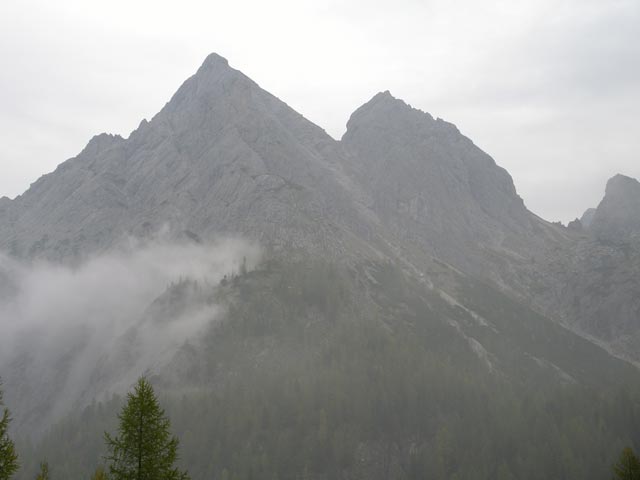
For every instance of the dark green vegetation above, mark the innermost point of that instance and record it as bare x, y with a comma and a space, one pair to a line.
144, 448
320, 371
99, 474
627, 467
8, 458
43, 474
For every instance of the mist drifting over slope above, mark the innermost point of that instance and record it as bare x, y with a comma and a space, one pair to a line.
72, 334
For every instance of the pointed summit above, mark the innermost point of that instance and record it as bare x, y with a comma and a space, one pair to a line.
431, 182
617, 218
214, 66
214, 60
622, 185
101, 142
222, 157
384, 111
212, 82
383, 97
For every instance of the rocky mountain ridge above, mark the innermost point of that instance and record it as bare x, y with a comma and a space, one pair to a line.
402, 291
224, 157
599, 292
617, 218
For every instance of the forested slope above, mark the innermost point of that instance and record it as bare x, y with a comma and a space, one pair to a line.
321, 371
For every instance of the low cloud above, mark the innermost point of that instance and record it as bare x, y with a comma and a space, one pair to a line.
73, 334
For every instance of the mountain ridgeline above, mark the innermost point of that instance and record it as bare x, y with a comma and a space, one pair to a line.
407, 316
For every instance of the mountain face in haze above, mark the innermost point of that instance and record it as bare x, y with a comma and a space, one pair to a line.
587, 217
600, 293
441, 193
617, 218
222, 157
395, 254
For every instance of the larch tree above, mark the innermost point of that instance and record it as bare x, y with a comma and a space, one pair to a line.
43, 474
144, 448
8, 457
99, 474
627, 467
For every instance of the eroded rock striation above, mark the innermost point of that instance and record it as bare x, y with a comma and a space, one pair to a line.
224, 157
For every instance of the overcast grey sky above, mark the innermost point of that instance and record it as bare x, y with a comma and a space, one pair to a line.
549, 88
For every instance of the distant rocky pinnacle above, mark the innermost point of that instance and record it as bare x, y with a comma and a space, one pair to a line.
225, 157
617, 218
598, 292
587, 217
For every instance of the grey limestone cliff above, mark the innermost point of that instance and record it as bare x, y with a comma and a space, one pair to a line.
617, 218
225, 157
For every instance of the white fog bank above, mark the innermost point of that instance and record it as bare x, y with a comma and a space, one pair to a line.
69, 335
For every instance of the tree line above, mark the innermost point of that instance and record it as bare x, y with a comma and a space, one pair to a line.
305, 378
144, 448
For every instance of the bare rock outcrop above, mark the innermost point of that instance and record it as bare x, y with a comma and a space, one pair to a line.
224, 157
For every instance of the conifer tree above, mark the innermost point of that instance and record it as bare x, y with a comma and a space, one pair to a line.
99, 474
44, 472
144, 448
627, 467
8, 457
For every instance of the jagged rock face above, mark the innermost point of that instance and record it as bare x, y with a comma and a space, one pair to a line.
392, 141
617, 218
225, 157
222, 157
438, 189
587, 217
575, 225
602, 294
600, 287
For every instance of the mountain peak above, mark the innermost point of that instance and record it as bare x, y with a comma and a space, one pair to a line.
207, 94
383, 96
389, 113
101, 142
214, 61
389, 101
622, 185
618, 215
428, 180
214, 68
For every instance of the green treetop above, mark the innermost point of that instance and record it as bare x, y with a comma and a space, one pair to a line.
44, 472
8, 456
144, 448
99, 474
627, 467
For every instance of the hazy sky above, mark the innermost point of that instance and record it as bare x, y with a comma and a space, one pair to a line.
549, 88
